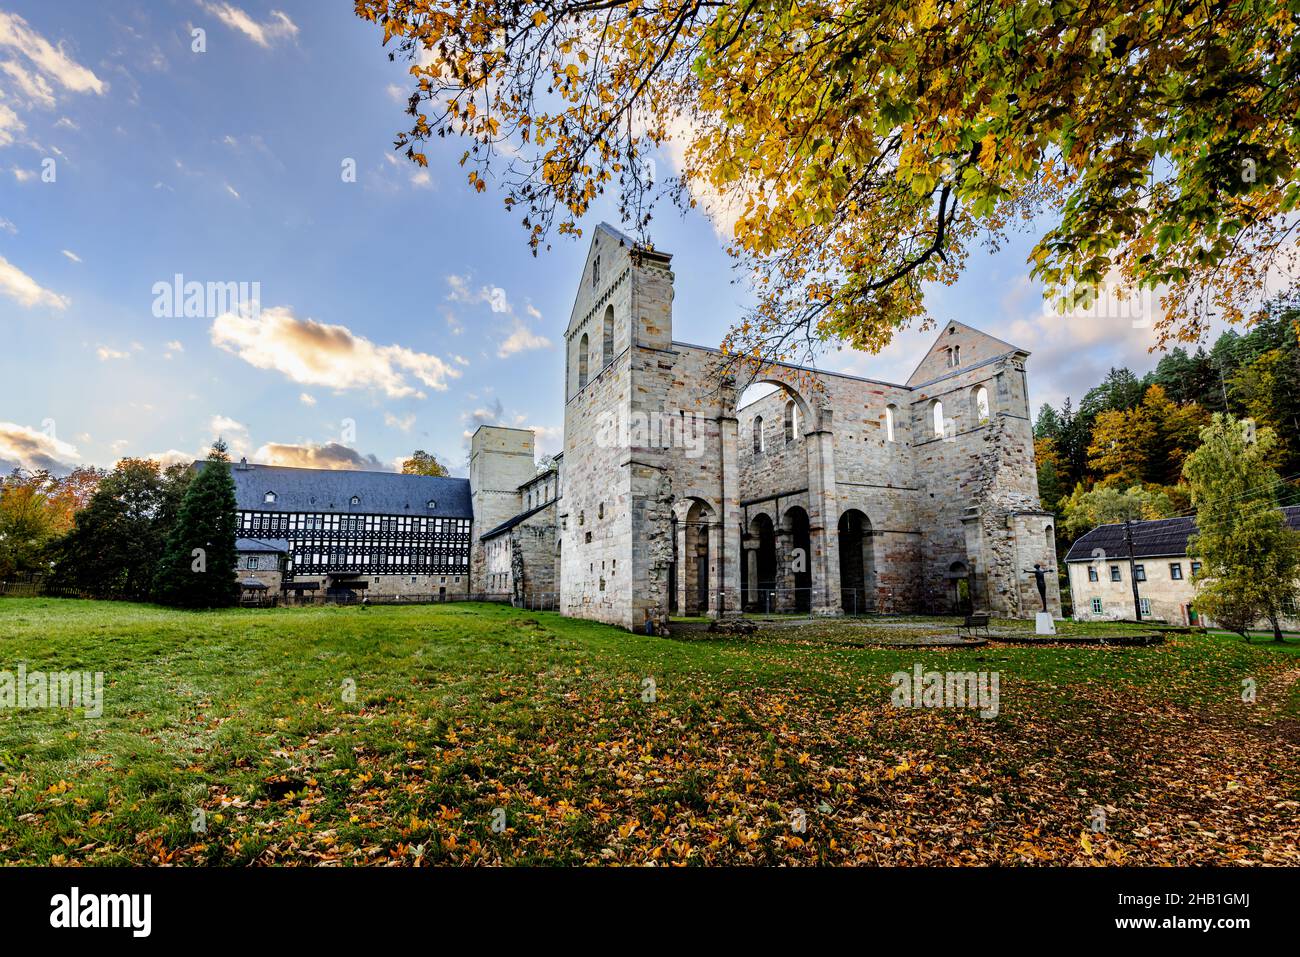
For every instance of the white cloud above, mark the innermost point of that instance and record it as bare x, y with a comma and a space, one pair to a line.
422, 180
522, 339
50, 60
175, 457
223, 423
25, 290
33, 85
494, 296
231, 190
106, 353
314, 353
71, 255
276, 27
396, 93
306, 399
28, 448
66, 124
7, 226
404, 423
10, 127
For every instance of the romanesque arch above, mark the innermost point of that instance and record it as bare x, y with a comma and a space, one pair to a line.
799, 528
695, 530
857, 563
760, 568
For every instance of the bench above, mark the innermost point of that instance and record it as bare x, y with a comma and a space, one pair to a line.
973, 622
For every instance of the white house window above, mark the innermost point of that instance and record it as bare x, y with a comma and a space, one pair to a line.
1114, 573
269, 497
889, 423
758, 435
1096, 606
937, 410
1145, 605
1176, 571
1140, 572
1092, 573
251, 563
431, 504
356, 500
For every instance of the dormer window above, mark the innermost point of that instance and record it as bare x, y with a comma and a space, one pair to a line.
269, 498
431, 504
356, 500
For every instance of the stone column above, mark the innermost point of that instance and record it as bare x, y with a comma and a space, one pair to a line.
784, 599
728, 539
823, 517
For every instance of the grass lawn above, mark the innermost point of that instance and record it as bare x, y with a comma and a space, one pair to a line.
465, 711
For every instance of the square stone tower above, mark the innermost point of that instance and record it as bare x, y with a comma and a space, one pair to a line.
501, 459
620, 327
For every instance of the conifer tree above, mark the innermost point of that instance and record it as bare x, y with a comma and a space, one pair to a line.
197, 569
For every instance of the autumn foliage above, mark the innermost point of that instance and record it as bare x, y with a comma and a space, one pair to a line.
858, 150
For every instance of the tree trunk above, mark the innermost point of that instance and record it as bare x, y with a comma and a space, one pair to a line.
1277, 627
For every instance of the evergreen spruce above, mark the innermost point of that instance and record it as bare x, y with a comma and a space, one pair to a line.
197, 569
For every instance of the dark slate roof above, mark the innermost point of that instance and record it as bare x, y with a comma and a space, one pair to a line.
325, 490
261, 545
522, 516
1166, 537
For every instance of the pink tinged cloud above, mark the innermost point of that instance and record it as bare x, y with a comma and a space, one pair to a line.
315, 353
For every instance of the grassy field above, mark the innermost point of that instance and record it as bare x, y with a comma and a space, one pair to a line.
484, 734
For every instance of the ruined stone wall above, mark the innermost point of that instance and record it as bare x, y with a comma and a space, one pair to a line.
533, 560
653, 435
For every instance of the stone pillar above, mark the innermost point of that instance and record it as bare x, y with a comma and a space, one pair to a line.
728, 539
823, 517
784, 599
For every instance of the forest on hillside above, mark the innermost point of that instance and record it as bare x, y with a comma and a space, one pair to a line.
1119, 454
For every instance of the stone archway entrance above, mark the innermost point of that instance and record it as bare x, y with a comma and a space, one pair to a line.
959, 588
695, 555
857, 564
760, 565
800, 558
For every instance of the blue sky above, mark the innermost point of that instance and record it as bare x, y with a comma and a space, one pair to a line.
397, 311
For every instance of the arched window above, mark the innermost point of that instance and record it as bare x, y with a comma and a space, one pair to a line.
889, 422
758, 434
608, 355
595, 271
582, 361
937, 410
981, 404
791, 421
